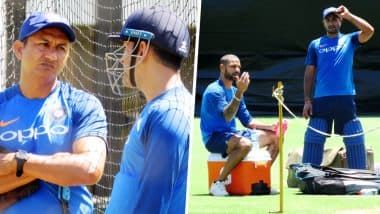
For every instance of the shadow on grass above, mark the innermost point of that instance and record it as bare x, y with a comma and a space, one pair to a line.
202, 194
234, 196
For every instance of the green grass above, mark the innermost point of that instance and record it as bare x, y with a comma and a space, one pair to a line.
294, 202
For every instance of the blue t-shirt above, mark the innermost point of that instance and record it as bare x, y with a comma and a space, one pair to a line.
46, 126
333, 58
215, 99
154, 165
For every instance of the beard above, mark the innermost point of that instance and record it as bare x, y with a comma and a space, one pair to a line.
230, 76
333, 30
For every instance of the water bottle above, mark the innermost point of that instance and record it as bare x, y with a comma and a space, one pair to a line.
371, 191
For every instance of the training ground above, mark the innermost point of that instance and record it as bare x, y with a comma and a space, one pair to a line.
294, 201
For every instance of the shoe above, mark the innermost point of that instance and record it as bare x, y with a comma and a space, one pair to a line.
218, 188
274, 191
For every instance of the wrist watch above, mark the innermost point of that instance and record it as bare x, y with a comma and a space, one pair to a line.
21, 157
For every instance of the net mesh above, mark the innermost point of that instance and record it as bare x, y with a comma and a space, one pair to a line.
93, 21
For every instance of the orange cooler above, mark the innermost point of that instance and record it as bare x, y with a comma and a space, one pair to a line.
250, 177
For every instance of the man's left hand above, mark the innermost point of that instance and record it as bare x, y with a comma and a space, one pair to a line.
7, 163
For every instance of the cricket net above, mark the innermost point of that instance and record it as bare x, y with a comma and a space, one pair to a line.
93, 21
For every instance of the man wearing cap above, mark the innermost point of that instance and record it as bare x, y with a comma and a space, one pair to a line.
154, 164
222, 104
56, 134
329, 88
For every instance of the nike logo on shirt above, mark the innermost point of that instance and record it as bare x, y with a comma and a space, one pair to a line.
7, 123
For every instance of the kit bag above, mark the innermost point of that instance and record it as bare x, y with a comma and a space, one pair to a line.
332, 157
314, 179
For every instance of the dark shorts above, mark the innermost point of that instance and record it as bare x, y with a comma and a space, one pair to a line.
335, 109
218, 140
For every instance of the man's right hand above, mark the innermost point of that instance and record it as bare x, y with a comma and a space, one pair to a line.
307, 109
242, 84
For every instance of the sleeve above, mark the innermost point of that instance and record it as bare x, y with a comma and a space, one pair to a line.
311, 57
243, 113
8, 93
216, 103
89, 118
355, 39
166, 162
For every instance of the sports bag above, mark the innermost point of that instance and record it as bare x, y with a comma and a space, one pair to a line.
332, 157
313, 179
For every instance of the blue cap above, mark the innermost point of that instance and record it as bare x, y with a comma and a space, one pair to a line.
161, 26
38, 20
327, 11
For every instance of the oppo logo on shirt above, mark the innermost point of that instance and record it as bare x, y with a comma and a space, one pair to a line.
33, 133
330, 49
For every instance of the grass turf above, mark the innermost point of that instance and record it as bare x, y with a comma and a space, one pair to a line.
200, 201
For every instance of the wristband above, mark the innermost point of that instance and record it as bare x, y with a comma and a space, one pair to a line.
237, 99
